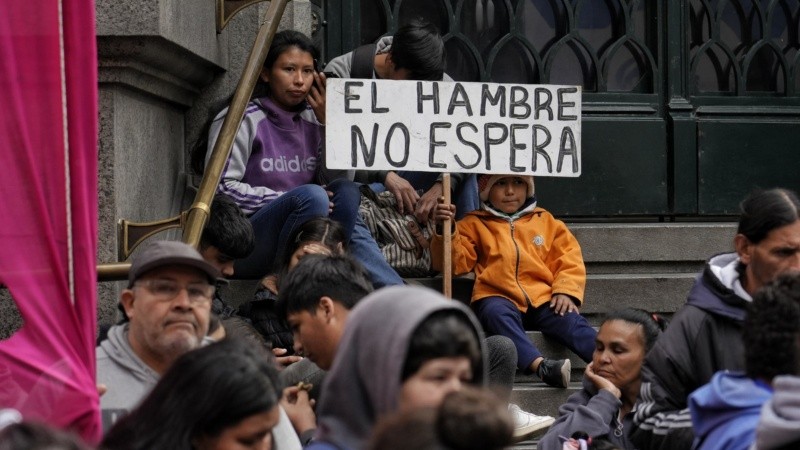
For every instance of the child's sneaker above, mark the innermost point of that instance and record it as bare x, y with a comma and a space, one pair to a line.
526, 424
555, 372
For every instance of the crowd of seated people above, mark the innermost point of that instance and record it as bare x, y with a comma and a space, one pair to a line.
333, 351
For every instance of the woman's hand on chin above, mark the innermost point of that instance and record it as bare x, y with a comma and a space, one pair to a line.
600, 382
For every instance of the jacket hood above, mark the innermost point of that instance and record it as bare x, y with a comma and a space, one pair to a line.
119, 350
364, 381
780, 417
527, 207
727, 398
715, 290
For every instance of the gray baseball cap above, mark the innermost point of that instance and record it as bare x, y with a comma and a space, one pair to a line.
169, 253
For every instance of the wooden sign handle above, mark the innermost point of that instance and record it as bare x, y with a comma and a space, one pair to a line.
447, 236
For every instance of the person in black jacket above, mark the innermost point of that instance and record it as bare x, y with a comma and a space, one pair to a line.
705, 334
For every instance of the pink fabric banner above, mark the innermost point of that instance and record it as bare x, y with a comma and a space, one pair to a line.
48, 210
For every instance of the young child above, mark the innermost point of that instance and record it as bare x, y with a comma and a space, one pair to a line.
529, 272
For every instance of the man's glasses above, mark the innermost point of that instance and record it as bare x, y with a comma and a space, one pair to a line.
165, 290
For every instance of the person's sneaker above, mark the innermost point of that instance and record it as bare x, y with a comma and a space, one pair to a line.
527, 424
555, 372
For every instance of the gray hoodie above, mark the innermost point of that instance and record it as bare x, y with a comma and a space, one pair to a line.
127, 377
780, 416
364, 381
129, 380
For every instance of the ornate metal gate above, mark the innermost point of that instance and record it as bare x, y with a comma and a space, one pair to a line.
688, 104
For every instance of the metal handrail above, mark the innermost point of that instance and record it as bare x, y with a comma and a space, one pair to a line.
199, 211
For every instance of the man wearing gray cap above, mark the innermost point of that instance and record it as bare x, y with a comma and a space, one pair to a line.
168, 302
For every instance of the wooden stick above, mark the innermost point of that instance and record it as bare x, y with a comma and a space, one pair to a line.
447, 236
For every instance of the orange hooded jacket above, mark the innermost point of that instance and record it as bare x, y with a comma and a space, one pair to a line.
526, 257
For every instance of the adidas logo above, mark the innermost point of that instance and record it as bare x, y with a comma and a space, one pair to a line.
281, 164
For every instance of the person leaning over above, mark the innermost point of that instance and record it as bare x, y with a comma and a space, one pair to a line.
415, 52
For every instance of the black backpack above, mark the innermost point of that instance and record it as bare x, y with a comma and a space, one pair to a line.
363, 63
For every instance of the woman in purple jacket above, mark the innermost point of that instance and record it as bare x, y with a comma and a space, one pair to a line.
276, 170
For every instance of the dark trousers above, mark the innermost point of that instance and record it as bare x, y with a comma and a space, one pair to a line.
501, 316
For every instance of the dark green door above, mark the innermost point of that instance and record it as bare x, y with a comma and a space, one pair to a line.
687, 104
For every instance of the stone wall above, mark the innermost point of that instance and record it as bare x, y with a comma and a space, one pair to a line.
161, 67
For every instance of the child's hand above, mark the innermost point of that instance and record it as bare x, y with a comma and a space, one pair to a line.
444, 211
562, 304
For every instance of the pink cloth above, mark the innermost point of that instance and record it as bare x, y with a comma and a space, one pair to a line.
48, 210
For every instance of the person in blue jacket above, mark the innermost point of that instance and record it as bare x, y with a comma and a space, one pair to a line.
725, 411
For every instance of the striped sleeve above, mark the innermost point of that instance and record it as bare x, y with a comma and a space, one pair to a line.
249, 198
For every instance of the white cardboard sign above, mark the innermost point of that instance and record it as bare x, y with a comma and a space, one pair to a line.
432, 126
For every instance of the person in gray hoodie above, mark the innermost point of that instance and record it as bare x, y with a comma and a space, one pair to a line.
167, 302
431, 346
779, 425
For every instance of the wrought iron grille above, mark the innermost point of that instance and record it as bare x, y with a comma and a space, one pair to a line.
744, 47
603, 45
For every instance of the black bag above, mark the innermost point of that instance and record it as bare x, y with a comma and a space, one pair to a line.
262, 313
363, 63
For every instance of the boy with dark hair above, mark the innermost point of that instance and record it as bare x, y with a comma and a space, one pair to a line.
528, 269
316, 298
228, 236
725, 411
414, 52
317, 308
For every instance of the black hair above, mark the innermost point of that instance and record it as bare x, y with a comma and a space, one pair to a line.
418, 47
281, 42
652, 324
474, 419
36, 436
444, 334
765, 210
771, 331
203, 393
469, 419
228, 229
321, 229
339, 277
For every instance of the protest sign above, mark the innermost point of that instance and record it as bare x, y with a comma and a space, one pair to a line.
432, 126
